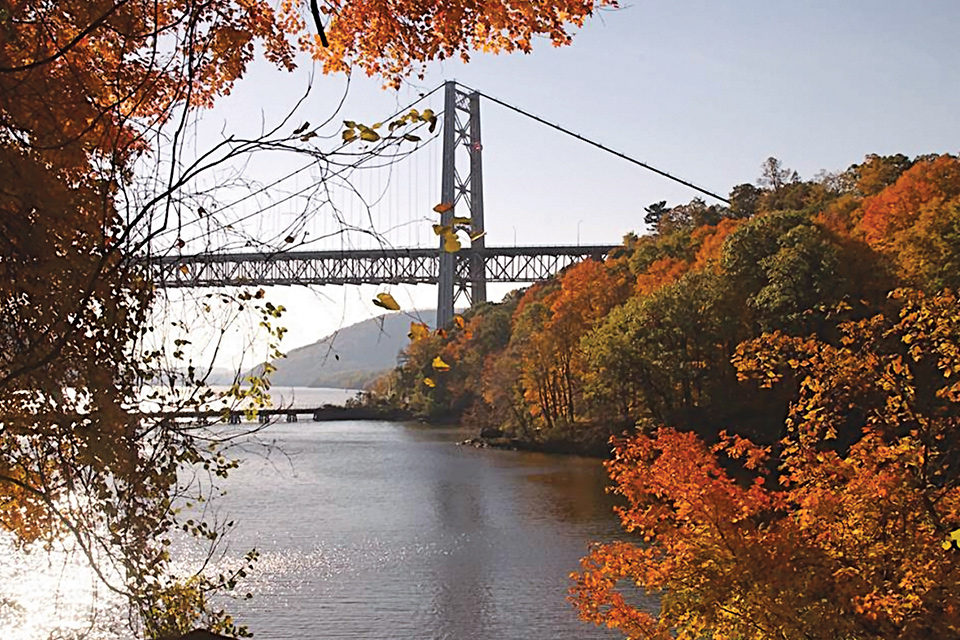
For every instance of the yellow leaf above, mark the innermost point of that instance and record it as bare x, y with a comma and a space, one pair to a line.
440, 365
349, 135
429, 382
386, 301
184, 269
418, 330
369, 135
460, 322
451, 243
461, 220
441, 230
443, 207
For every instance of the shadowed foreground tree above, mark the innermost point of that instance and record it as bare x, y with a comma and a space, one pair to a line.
97, 101
841, 534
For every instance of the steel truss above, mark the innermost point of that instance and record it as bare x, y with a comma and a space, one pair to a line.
367, 266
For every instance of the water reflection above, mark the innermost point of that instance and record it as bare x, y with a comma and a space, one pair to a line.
380, 530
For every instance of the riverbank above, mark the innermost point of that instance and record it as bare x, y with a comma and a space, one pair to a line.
591, 450
333, 413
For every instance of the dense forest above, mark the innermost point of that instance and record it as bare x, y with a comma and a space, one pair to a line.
650, 335
780, 376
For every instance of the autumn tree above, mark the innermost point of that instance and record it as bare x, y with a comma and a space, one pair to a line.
98, 100
657, 354
548, 326
842, 533
389, 39
876, 173
916, 220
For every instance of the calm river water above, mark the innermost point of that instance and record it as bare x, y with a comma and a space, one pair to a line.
389, 530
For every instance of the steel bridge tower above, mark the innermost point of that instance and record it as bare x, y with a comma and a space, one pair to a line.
461, 140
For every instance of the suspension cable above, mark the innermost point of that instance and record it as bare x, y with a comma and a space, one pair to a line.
600, 146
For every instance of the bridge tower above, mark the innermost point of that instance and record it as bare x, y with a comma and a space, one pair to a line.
461, 275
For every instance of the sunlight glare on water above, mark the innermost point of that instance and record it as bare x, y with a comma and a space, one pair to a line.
54, 594
364, 530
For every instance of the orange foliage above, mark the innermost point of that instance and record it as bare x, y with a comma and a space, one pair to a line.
896, 208
711, 241
388, 38
839, 534
549, 323
588, 290
660, 273
707, 240
916, 223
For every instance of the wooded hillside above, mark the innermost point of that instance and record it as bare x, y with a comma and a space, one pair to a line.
783, 377
350, 358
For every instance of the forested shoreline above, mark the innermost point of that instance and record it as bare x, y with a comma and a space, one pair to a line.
651, 336
781, 380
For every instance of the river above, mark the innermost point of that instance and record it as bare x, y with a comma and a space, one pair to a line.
391, 530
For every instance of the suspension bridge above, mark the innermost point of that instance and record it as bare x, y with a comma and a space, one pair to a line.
460, 275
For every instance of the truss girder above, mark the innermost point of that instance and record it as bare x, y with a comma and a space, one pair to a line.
369, 266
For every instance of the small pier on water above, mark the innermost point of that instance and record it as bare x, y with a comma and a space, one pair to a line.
324, 413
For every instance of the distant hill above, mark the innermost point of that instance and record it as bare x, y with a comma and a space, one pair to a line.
348, 359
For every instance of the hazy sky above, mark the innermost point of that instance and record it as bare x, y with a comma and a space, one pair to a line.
705, 90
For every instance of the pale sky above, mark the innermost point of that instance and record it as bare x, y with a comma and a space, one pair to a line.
705, 90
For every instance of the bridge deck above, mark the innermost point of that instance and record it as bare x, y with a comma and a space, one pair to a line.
366, 266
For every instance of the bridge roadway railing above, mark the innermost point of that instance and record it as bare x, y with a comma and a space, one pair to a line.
365, 266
